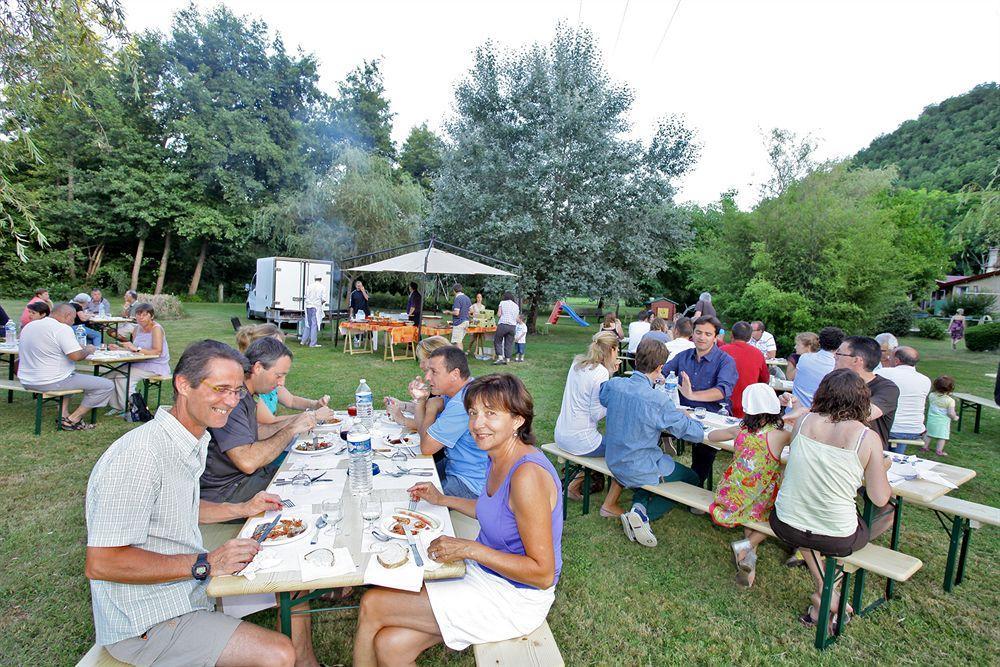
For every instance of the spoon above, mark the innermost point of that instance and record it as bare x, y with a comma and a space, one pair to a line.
320, 523
381, 537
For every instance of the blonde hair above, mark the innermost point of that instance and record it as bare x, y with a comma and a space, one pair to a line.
808, 339
428, 345
602, 346
248, 333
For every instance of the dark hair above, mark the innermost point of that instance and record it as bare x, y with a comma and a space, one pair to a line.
708, 319
843, 396
830, 338
39, 307
643, 315
414, 286
40, 291
508, 296
457, 287
944, 384
684, 327
453, 358
145, 308
650, 355
267, 351
741, 331
757, 423
506, 392
867, 349
610, 318
197, 356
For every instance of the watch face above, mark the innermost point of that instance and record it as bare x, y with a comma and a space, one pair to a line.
200, 571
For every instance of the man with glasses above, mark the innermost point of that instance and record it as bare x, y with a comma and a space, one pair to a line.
243, 454
862, 354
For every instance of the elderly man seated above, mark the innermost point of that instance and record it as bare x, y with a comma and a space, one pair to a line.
48, 352
243, 453
637, 415
908, 422
763, 340
98, 305
146, 562
83, 317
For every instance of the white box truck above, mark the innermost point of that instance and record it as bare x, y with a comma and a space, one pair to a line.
277, 291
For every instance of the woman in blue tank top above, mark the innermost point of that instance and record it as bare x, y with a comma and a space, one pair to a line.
511, 568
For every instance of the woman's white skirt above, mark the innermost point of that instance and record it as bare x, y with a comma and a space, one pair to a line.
482, 607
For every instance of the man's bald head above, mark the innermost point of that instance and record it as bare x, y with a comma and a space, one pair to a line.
65, 313
906, 355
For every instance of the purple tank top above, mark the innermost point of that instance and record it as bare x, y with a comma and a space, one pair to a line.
497, 525
160, 365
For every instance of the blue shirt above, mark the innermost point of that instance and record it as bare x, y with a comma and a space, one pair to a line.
637, 414
270, 399
716, 370
809, 372
462, 303
463, 458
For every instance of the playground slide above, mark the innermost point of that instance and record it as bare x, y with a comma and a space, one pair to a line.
576, 318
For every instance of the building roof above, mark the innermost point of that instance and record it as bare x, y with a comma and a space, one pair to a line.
951, 281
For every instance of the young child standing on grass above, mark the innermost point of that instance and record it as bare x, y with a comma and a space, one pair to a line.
520, 338
940, 413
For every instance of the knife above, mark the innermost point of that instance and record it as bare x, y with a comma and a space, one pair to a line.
267, 531
413, 546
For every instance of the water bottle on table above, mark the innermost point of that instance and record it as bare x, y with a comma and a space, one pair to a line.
10, 333
363, 404
359, 448
81, 335
671, 387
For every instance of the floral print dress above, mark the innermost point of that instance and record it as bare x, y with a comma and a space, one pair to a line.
750, 483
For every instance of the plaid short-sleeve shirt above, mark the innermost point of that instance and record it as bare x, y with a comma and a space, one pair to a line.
144, 492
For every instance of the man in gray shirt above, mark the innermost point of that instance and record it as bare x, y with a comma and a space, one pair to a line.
460, 315
242, 454
145, 558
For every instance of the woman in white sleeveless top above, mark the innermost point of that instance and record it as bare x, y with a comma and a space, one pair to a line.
831, 456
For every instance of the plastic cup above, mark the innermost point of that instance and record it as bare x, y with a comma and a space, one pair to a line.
352, 410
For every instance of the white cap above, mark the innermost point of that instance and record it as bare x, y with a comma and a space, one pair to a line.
760, 399
81, 298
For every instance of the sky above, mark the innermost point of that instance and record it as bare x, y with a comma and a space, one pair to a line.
842, 71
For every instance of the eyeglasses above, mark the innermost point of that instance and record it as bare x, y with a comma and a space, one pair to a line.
239, 392
844, 354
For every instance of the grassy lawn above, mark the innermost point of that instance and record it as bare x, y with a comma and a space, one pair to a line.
618, 603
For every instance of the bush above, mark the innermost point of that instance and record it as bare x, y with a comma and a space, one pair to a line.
166, 306
974, 305
897, 319
983, 338
933, 329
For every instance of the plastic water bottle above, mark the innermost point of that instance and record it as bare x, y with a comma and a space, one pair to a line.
671, 385
10, 333
359, 447
81, 336
363, 402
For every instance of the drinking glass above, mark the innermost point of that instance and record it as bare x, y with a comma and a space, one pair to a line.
699, 413
371, 509
334, 514
352, 410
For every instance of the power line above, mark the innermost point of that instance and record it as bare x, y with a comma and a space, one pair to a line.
620, 26
579, 13
667, 29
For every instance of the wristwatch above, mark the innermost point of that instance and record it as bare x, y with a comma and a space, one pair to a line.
201, 568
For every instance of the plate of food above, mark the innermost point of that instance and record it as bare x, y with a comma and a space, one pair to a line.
317, 445
405, 441
417, 522
286, 531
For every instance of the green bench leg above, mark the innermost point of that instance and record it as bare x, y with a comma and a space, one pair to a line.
960, 574
957, 524
38, 415
823, 619
145, 391
897, 520
285, 613
586, 490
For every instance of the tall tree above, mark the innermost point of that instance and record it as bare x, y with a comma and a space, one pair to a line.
789, 157
361, 111
539, 173
421, 155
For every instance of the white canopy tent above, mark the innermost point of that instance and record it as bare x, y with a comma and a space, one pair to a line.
430, 261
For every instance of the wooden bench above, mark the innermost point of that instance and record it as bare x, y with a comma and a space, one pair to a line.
154, 381
872, 558
40, 400
965, 517
538, 648
977, 403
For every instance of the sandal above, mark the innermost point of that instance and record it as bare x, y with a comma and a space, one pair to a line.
608, 514
807, 619
742, 545
76, 425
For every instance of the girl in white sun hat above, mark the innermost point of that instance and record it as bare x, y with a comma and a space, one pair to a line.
750, 483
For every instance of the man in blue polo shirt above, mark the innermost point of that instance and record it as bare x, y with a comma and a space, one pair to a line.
707, 377
465, 464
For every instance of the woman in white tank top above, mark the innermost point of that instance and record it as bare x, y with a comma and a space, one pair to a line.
832, 454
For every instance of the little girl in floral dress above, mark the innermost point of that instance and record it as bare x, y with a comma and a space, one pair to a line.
750, 483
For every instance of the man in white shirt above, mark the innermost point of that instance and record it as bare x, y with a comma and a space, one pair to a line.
636, 330
315, 296
908, 424
762, 340
683, 329
48, 350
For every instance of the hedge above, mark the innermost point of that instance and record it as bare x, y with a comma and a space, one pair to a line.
983, 338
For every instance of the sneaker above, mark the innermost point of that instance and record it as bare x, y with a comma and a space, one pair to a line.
316, 345
627, 527
499, 362
696, 511
638, 522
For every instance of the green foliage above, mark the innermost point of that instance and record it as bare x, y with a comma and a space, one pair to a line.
932, 328
540, 174
983, 338
361, 112
421, 155
898, 319
921, 219
949, 146
973, 305
166, 306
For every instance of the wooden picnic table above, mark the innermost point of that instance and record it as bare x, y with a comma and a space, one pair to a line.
777, 361
977, 403
8, 355
350, 532
114, 361
105, 321
780, 385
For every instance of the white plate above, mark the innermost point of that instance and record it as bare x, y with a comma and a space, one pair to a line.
329, 450
435, 525
310, 529
409, 440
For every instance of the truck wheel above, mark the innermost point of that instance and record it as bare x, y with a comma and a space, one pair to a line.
249, 312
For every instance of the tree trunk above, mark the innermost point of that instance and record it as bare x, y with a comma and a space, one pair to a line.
94, 257
196, 278
532, 313
137, 263
163, 264
69, 198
